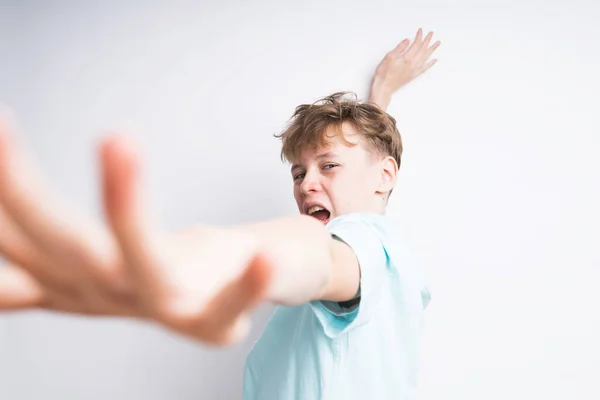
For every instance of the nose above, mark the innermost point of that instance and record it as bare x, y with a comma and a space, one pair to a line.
310, 183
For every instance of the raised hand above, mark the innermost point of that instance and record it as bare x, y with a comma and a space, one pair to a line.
200, 282
400, 66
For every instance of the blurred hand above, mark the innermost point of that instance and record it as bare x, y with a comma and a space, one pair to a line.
400, 66
200, 282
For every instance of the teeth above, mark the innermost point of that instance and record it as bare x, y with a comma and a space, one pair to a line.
314, 209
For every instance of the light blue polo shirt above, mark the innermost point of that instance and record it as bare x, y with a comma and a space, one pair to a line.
322, 351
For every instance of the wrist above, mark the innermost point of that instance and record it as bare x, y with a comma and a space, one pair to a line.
382, 99
380, 93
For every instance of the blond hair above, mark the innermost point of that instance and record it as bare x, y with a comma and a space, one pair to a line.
315, 125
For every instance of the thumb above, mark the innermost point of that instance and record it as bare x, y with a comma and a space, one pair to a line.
225, 319
232, 305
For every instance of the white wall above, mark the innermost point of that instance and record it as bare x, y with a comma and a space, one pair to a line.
498, 191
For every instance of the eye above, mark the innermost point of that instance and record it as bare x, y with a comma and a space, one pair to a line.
329, 166
299, 176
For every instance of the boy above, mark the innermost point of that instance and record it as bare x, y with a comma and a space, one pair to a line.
353, 297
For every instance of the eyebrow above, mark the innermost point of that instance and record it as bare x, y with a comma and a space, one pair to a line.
328, 154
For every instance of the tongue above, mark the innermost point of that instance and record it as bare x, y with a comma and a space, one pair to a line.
321, 215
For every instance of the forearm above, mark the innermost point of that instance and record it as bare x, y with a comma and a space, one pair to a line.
300, 249
380, 96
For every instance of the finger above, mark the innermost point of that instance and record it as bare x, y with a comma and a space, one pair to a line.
432, 49
18, 289
21, 290
136, 236
425, 50
427, 39
415, 46
428, 65
419, 35
18, 249
21, 194
399, 49
14, 245
425, 45
58, 235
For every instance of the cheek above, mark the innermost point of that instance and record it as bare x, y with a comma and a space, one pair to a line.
341, 191
351, 188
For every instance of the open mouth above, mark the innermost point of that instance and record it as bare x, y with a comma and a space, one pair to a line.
319, 213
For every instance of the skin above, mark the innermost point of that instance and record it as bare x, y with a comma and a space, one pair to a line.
343, 179
200, 282
402, 65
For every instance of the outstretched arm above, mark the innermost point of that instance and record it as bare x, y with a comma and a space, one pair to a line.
400, 66
200, 282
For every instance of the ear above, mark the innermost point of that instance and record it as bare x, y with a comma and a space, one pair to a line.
389, 171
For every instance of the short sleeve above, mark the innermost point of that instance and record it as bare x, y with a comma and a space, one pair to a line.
362, 233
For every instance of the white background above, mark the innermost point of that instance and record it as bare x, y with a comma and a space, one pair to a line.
498, 190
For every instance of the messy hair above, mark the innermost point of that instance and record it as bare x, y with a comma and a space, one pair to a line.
316, 125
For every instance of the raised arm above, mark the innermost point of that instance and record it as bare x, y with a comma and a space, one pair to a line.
400, 66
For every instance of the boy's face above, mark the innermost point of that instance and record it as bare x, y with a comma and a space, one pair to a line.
339, 179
